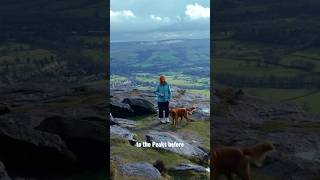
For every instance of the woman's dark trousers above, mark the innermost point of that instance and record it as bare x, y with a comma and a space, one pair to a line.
163, 106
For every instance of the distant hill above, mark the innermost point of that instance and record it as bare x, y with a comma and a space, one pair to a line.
269, 47
179, 55
185, 63
53, 16
283, 22
56, 40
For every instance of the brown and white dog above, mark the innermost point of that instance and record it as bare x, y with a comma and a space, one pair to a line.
181, 113
229, 160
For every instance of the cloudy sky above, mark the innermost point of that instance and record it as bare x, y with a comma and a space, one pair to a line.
148, 20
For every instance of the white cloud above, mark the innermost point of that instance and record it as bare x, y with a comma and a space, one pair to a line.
157, 18
121, 15
160, 19
196, 11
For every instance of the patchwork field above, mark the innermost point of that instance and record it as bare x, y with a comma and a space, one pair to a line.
271, 72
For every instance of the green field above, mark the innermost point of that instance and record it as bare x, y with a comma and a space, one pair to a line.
252, 69
117, 79
23, 51
310, 103
247, 58
29, 60
95, 55
205, 92
250, 60
177, 79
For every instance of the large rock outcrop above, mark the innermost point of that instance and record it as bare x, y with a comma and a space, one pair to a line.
27, 151
119, 109
188, 149
189, 167
86, 139
140, 169
140, 106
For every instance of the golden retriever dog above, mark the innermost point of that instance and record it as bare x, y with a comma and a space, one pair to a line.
181, 113
229, 160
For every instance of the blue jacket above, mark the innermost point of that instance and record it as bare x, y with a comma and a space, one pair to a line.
165, 90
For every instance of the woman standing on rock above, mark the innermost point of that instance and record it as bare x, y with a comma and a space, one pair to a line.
163, 93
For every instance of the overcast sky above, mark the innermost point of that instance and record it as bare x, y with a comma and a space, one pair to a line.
145, 20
